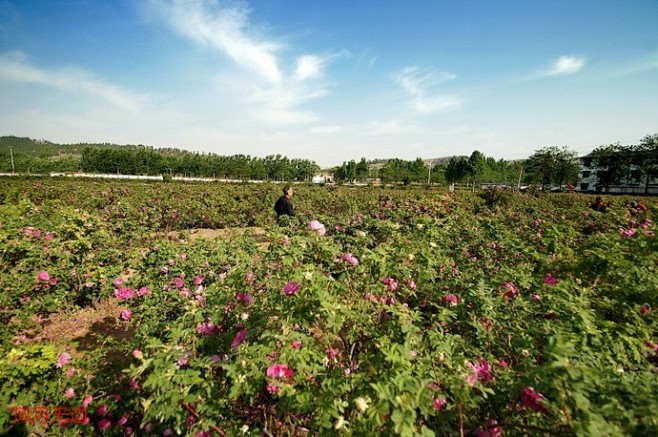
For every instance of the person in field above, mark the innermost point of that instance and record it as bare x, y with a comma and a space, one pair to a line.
599, 205
283, 206
637, 207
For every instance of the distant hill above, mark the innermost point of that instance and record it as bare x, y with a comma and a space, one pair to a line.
35, 148
380, 162
48, 149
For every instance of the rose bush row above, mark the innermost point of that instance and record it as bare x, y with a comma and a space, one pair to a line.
413, 312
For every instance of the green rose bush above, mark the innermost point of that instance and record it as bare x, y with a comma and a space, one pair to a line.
393, 311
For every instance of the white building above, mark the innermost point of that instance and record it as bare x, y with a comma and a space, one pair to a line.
633, 183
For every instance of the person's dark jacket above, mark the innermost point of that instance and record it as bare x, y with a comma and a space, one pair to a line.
283, 206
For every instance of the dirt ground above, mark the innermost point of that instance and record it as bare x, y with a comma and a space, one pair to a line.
87, 326
259, 235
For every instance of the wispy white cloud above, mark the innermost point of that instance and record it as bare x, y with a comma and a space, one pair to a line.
565, 65
15, 67
392, 127
648, 62
308, 66
419, 84
225, 27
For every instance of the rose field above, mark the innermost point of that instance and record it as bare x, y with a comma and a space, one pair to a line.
168, 308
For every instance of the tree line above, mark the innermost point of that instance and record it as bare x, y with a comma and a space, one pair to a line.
148, 161
475, 168
40, 157
547, 166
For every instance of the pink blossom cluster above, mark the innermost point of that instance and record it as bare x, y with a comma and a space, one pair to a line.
207, 327
549, 279
351, 259
42, 281
632, 230
479, 372
533, 400
33, 232
63, 359
490, 429
291, 288
317, 228
246, 298
280, 371
239, 338
126, 314
124, 293
509, 290
391, 283
450, 299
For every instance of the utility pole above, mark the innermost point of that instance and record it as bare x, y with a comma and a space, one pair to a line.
11, 154
429, 172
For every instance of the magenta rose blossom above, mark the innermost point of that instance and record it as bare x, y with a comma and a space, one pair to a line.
533, 400
239, 338
549, 279
126, 314
280, 371
86, 401
510, 290
291, 288
351, 259
43, 276
450, 299
104, 424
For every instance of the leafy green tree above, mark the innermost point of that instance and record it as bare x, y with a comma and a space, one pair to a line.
553, 165
418, 171
457, 169
613, 163
476, 165
645, 159
362, 170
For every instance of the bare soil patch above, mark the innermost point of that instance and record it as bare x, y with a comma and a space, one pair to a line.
259, 235
87, 326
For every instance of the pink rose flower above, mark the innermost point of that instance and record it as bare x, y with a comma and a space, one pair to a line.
533, 400
296, 344
439, 403
280, 371
126, 314
291, 288
104, 424
317, 227
64, 358
450, 299
351, 259
549, 279
239, 338
86, 401
43, 276
510, 290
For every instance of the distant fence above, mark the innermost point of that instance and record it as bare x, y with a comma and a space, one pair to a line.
134, 177
622, 189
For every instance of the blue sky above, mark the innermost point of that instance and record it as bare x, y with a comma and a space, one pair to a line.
331, 80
